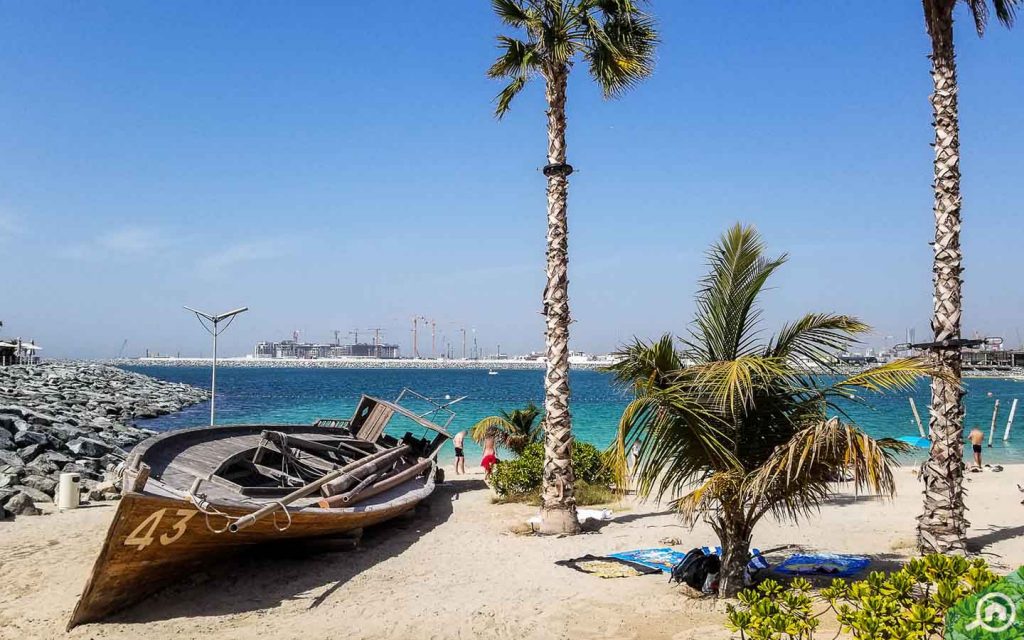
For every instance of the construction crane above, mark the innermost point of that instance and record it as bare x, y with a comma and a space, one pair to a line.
415, 335
376, 340
124, 345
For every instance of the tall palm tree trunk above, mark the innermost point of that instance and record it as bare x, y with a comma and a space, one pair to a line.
558, 511
942, 526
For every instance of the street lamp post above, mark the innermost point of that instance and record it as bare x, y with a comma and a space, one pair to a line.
215, 320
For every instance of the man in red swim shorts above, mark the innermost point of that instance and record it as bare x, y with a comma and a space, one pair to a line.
490, 457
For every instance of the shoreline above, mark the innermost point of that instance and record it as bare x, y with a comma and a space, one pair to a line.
353, 363
425, 363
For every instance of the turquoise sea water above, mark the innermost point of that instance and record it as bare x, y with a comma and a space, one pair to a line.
300, 395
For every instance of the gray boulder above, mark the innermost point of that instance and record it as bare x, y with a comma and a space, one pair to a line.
88, 447
31, 452
11, 459
42, 483
6, 441
56, 457
25, 438
82, 470
21, 504
33, 493
41, 467
9, 479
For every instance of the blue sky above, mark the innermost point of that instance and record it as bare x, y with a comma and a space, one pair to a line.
336, 165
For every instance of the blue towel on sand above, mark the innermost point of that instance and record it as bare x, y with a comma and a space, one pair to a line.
665, 558
823, 564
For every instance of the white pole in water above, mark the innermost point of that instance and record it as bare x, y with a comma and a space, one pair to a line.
213, 378
215, 320
1009, 423
992, 429
917, 417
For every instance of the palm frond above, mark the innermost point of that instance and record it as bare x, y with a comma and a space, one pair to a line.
620, 51
1006, 12
490, 427
727, 319
511, 12
503, 102
646, 364
817, 337
517, 60
709, 495
733, 384
795, 479
679, 440
897, 375
512, 430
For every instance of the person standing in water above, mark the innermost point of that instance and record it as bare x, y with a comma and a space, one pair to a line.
977, 437
460, 456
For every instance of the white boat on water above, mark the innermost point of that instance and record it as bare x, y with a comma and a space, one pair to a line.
492, 372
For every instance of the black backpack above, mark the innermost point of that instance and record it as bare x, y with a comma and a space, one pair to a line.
690, 569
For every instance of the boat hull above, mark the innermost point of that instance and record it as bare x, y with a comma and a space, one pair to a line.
153, 540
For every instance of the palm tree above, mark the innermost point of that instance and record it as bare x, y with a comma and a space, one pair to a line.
513, 430
733, 427
617, 41
942, 526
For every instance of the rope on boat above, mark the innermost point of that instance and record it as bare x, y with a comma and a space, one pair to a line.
200, 502
287, 513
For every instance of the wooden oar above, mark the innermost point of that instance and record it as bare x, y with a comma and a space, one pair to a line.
380, 486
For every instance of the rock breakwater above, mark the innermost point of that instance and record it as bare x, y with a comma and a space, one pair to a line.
68, 417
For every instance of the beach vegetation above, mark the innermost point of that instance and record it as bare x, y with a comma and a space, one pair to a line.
734, 426
616, 41
912, 602
942, 526
512, 430
520, 479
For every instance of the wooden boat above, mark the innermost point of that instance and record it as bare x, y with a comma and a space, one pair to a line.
194, 495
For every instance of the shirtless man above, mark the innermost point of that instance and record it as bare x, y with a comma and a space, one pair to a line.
977, 437
460, 456
490, 457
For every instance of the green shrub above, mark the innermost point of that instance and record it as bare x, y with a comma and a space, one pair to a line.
524, 474
586, 495
909, 603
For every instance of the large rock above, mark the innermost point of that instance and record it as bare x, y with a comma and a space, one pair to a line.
32, 492
31, 452
6, 441
82, 470
89, 447
56, 457
21, 504
9, 479
41, 483
25, 438
11, 459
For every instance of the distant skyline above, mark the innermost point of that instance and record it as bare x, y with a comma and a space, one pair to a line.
335, 165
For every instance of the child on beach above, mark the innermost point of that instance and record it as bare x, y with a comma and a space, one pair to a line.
460, 456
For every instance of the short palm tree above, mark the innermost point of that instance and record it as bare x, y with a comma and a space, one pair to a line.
734, 428
942, 527
512, 430
617, 41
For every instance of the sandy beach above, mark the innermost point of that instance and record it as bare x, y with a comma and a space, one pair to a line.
455, 569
